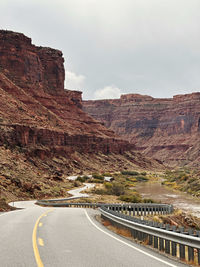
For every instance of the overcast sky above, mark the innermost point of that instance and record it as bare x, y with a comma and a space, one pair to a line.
113, 47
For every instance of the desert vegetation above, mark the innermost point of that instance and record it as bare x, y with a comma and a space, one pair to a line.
184, 180
120, 187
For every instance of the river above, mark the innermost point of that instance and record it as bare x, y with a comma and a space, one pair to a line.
180, 200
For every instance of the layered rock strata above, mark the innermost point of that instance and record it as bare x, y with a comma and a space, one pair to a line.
44, 134
166, 129
35, 109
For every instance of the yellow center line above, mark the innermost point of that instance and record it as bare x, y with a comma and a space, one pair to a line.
40, 242
34, 240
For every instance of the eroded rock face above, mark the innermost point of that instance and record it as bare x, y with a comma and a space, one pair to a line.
36, 111
167, 129
29, 66
44, 134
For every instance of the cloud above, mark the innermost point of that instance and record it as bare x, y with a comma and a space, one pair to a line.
74, 81
108, 92
143, 46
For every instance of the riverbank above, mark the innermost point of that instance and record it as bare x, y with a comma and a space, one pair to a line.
161, 193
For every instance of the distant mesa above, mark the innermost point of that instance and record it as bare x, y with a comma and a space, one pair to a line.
167, 129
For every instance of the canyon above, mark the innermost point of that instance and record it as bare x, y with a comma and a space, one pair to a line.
36, 108
165, 129
44, 133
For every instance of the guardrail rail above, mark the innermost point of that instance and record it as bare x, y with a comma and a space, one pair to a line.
175, 241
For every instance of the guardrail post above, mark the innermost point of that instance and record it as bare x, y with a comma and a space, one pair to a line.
142, 210
167, 246
156, 210
161, 244
165, 210
135, 234
139, 235
139, 210
136, 210
190, 254
133, 211
148, 210
125, 209
129, 210
151, 210
145, 211
174, 249
198, 252
182, 251
169, 210
161, 211
150, 240
155, 242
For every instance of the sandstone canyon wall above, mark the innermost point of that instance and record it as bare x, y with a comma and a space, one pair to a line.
43, 120
44, 134
35, 108
166, 129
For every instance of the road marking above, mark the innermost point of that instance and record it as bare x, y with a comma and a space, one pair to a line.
40, 224
129, 245
10, 212
34, 240
40, 242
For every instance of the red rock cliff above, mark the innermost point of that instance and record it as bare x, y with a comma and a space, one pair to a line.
36, 112
167, 129
30, 66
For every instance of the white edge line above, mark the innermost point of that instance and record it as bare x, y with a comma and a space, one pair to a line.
10, 212
129, 245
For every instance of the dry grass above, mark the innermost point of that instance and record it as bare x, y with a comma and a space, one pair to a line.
106, 223
117, 230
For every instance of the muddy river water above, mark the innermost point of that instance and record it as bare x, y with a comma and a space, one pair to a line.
164, 194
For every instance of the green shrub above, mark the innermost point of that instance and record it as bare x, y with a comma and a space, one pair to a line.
96, 181
86, 177
101, 191
80, 179
107, 174
133, 173
76, 183
98, 176
130, 198
118, 189
133, 180
108, 185
141, 178
148, 200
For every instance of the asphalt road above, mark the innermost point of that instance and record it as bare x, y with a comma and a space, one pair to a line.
64, 237
77, 192
74, 194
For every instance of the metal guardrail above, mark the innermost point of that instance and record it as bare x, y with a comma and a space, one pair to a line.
132, 208
169, 239
172, 240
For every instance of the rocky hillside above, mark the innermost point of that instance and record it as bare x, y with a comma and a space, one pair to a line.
166, 129
44, 133
35, 108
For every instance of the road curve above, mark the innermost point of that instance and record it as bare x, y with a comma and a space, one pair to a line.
75, 193
64, 237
